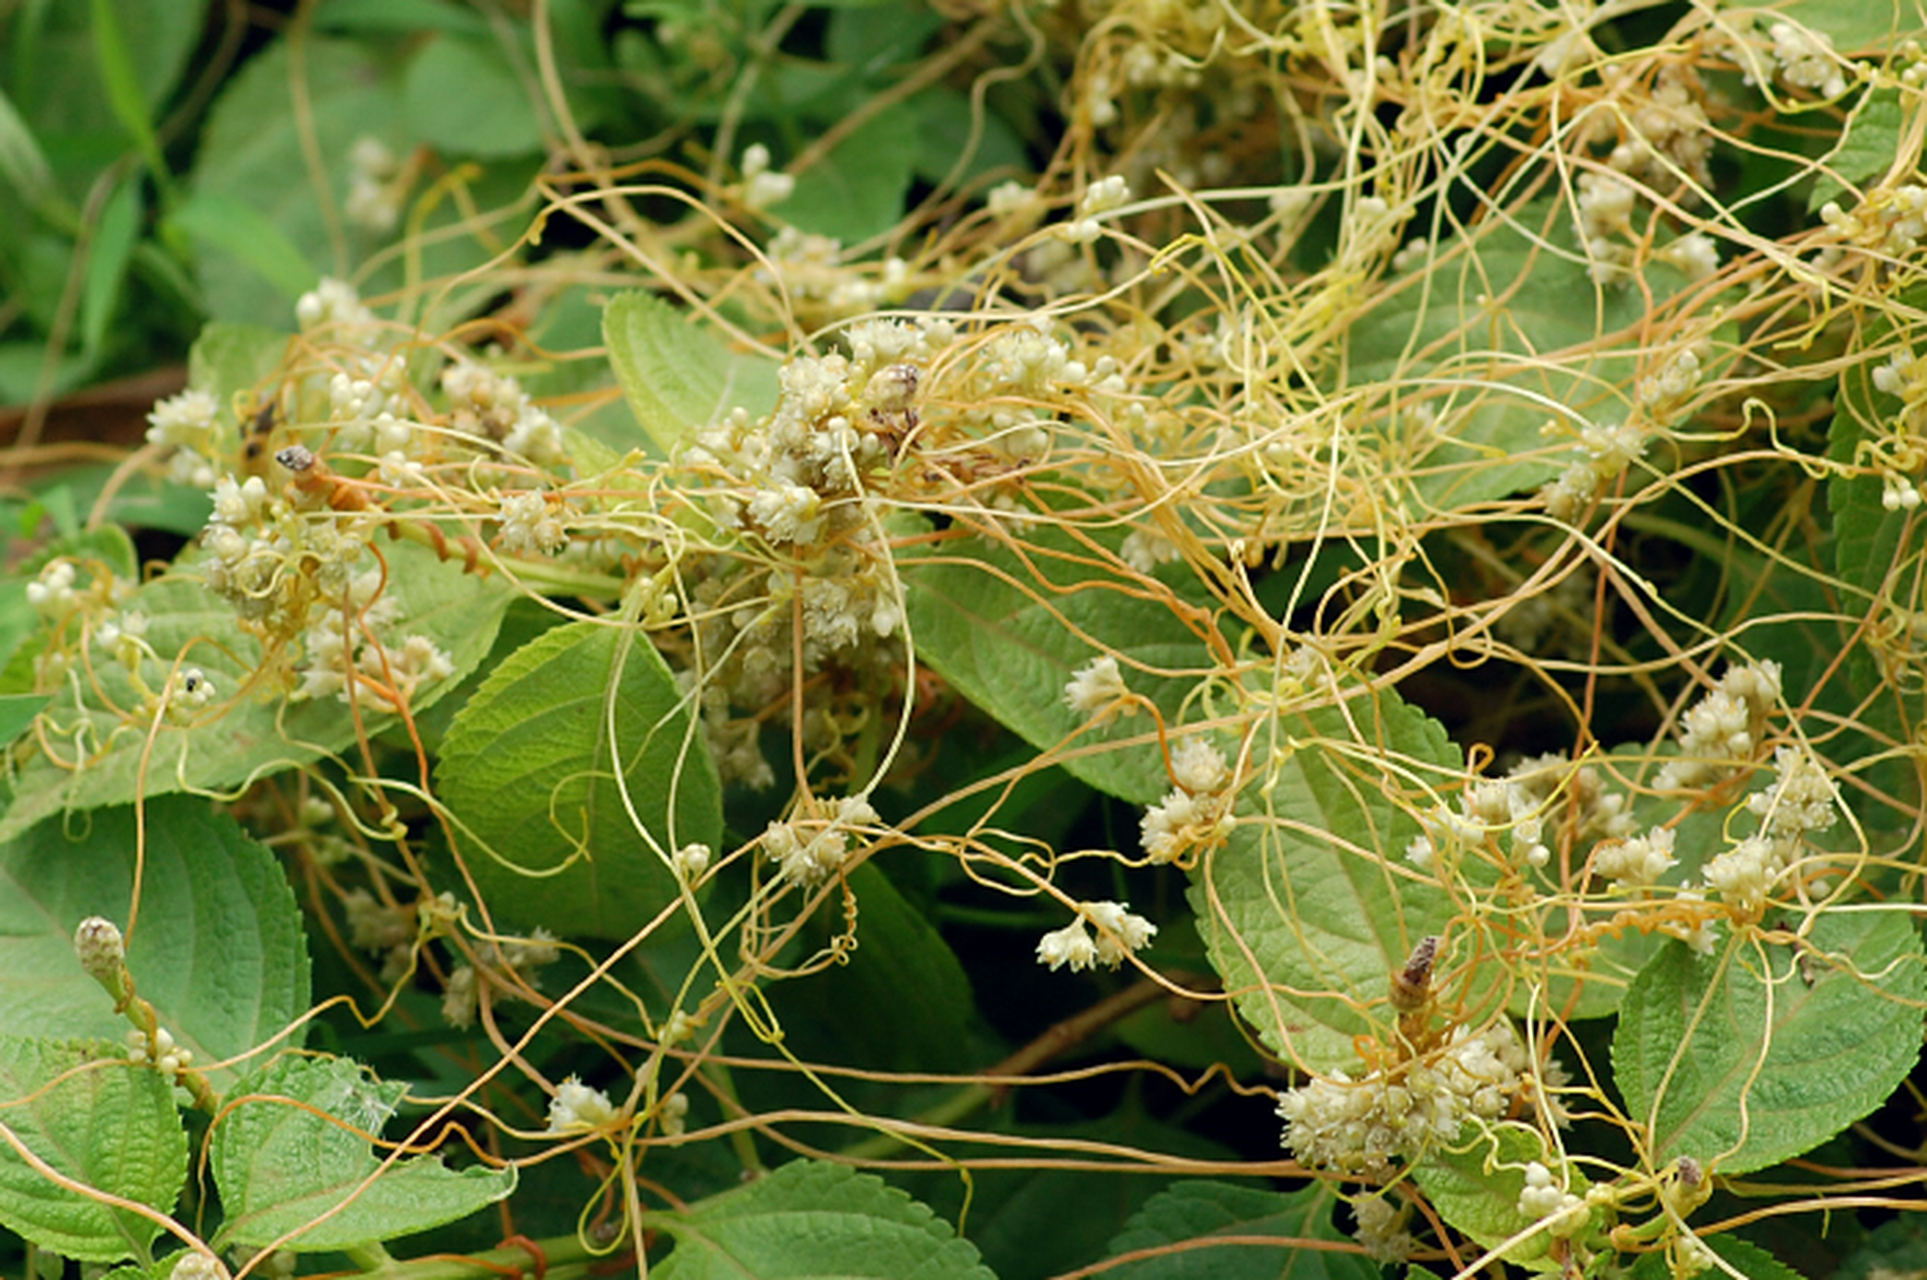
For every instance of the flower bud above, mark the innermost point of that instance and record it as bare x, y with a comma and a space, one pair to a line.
103, 954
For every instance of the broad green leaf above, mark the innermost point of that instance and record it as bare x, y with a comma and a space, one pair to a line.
857, 190
1747, 1057
1179, 1224
677, 375
405, 16
17, 711
22, 163
810, 1219
228, 359
1476, 1187
1497, 337
252, 154
103, 749
567, 749
1865, 151
461, 95
1866, 26
291, 1147
224, 225
93, 1116
1009, 623
217, 948
114, 237
855, 1014
1035, 1221
1310, 905
115, 59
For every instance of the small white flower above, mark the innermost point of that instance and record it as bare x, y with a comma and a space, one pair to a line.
1198, 765
576, 1107
1096, 686
691, 861
1070, 945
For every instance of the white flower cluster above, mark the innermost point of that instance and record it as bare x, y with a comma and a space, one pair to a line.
52, 593
518, 956
374, 194
1606, 201
1542, 1198
1101, 197
529, 523
1721, 730
1609, 451
333, 306
809, 851
1806, 59
1197, 812
1663, 394
1381, 1229
1359, 1127
492, 406
381, 930
1639, 862
762, 185
810, 269
369, 409
1518, 804
576, 1107
342, 649
691, 861
1800, 799
1097, 689
1119, 933
188, 424
167, 1056
1901, 452
673, 1115
272, 562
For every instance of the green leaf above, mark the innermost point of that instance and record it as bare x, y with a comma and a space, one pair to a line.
1867, 26
223, 224
1310, 905
1181, 1221
22, 163
461, 95
90, 1114
1737, 1060
217, 948
291, 1147
854, 1013
1865, 151
857, 191
405, 16
573, 749
810, 1219
17, 711
253, 152
1010, 623
1497, 340
1476, 1188
677, 374
228, 359
114, 238
123, 83
245, 735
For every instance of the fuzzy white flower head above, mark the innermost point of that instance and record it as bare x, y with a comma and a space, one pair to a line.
1638, 862
1198, 765
1070, 945
1120, 932
576, 1107
1096, 686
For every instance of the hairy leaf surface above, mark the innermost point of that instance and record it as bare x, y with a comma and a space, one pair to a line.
572, 750
85, 1110
1181, 1221
1764, 1050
